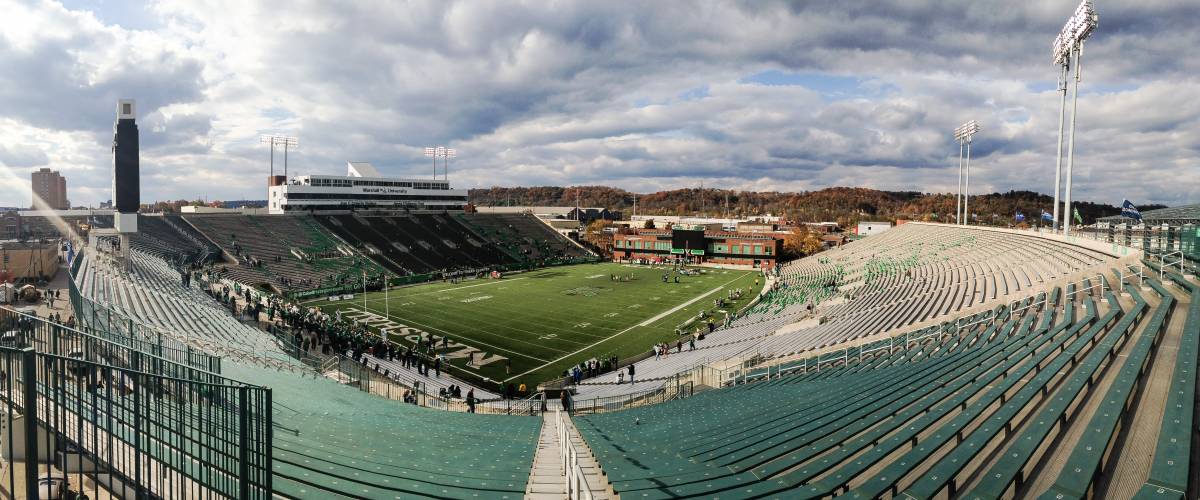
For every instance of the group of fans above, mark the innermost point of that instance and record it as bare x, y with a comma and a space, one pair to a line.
310, 329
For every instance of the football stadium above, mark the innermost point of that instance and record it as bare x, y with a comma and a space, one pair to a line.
367, 336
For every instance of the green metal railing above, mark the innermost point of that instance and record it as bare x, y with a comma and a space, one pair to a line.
103, 321
140, 425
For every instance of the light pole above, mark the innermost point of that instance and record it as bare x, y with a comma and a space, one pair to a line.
1068, 44
958, 192
279, 140
445, 154
433, 153
964, 134
1062, 111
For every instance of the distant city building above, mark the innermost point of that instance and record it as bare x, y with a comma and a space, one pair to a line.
869, 228
823, 227
10, 225
51, 188
587, 215
756, 227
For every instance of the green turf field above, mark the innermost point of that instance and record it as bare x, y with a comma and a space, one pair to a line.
539, 323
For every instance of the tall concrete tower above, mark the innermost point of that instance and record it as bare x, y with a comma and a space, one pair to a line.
126, 181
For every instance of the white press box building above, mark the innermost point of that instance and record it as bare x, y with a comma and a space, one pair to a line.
362, 187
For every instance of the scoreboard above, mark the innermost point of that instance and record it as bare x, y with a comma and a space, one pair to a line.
688, 240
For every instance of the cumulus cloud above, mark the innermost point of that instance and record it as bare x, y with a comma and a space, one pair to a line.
645, 96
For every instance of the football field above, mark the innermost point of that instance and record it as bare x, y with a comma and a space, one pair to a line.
529, 327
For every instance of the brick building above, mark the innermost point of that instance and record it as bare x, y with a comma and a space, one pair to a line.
698, 246
51, 188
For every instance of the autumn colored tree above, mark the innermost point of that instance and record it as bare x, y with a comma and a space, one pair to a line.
812, 243
594, 233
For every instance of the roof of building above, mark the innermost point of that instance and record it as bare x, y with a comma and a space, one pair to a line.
1183, 214
361, 169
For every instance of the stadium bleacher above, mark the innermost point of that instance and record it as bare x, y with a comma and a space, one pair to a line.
172, 239
291, 253
523, 236
416, 243
331, 439
911, 275
1023, 386
1029, 409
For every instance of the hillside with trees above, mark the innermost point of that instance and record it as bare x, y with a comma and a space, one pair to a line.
845, 205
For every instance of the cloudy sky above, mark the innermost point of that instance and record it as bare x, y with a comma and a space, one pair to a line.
641, 95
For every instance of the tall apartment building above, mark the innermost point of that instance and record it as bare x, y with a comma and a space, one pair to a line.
51, 188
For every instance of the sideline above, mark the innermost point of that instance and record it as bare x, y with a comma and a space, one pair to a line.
380, 292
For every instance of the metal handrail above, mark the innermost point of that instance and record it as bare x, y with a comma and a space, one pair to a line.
1100, 282
1138, 271
576, 481
1163, 264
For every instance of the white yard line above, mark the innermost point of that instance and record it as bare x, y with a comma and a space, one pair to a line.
413, 324
495, 282
644, 323
380, 293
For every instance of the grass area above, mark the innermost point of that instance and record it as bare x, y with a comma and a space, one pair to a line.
541, 322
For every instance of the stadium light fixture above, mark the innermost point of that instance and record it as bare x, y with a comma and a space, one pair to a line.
279, 140
1067, 45
447, 154
964, 134
432, 153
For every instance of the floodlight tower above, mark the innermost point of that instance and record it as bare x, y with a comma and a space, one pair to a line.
964, 134
1068, 44
279, 140
433, 153
958, 187
447, 154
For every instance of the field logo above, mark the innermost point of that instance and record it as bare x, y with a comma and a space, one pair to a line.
455, 350
586, 291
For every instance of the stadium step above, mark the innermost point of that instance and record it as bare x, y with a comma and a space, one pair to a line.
1133, 464
547, 479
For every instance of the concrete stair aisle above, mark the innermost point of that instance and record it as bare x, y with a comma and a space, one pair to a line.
547, 479
1137, 455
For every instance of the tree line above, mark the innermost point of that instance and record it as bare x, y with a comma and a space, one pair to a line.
845, 205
